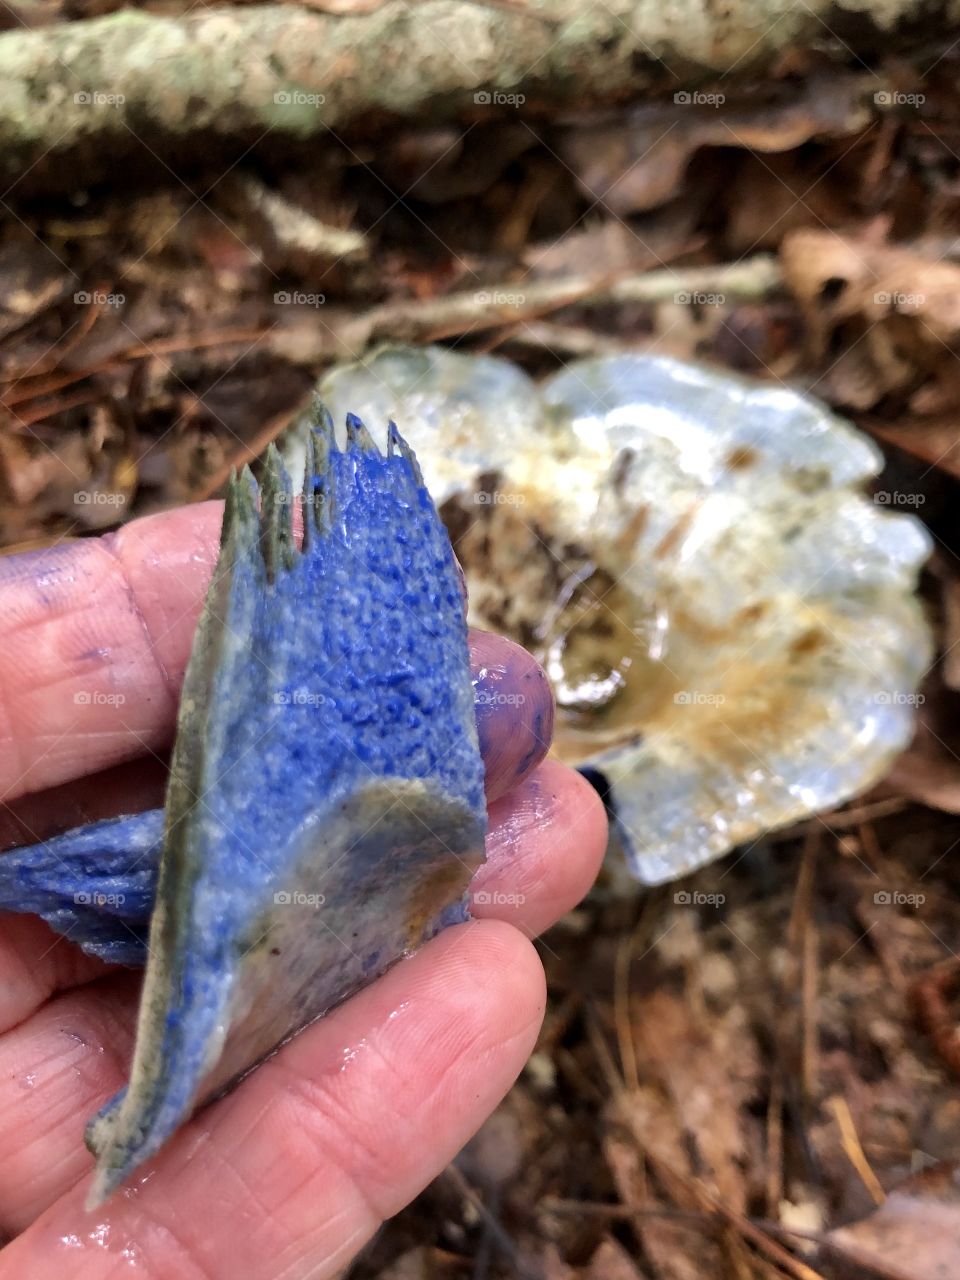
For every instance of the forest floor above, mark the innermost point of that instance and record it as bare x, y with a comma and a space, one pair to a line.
765, 1086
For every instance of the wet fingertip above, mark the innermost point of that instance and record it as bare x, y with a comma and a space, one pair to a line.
545, 845
514, 710
553, 790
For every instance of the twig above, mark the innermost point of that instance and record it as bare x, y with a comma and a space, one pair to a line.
565, 1207
560, 339
774, 1162
850, 1141
621, 1007
144, 351
713, 1213
516, 301
297, 229
242, 71
247, 453
496, 1231
458, 313
763, 1242
452, 315
55, 356
47, 409
841, 819
803, 940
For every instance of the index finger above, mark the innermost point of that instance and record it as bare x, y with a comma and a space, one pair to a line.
95, 645
97, 638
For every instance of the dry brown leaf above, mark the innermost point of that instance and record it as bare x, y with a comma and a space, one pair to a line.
611, 247
929, 770
774, 195
553, 1266
422, 1263
914, 1235
31, 279
930, 774
655, 1134
707, 1065
845, 276
642, 165
936, 442
891, 313
80, 479
612, 1262
413, 1265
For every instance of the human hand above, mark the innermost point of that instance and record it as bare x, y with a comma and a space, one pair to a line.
293, 1171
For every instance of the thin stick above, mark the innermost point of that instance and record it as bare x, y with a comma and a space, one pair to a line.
143, 351
850, 1141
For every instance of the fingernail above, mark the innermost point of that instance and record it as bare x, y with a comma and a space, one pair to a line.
514, 709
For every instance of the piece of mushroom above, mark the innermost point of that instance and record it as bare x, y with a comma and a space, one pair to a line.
728, 621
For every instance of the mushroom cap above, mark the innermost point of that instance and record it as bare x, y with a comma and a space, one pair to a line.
727, 619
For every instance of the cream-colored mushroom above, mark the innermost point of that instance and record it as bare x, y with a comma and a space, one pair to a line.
727, 619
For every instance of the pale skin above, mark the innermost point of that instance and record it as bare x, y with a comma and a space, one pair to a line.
294, 1171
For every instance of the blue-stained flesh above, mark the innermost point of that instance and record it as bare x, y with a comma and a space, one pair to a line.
95, 884
325, 808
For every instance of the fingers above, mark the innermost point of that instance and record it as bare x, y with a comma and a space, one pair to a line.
35, 962
96, 640
95, 643
59, 1067
514, 719
514, 711
546, 843
292, 1173
77, 1047
514, 729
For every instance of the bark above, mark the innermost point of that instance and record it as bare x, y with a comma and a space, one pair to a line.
96, 86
